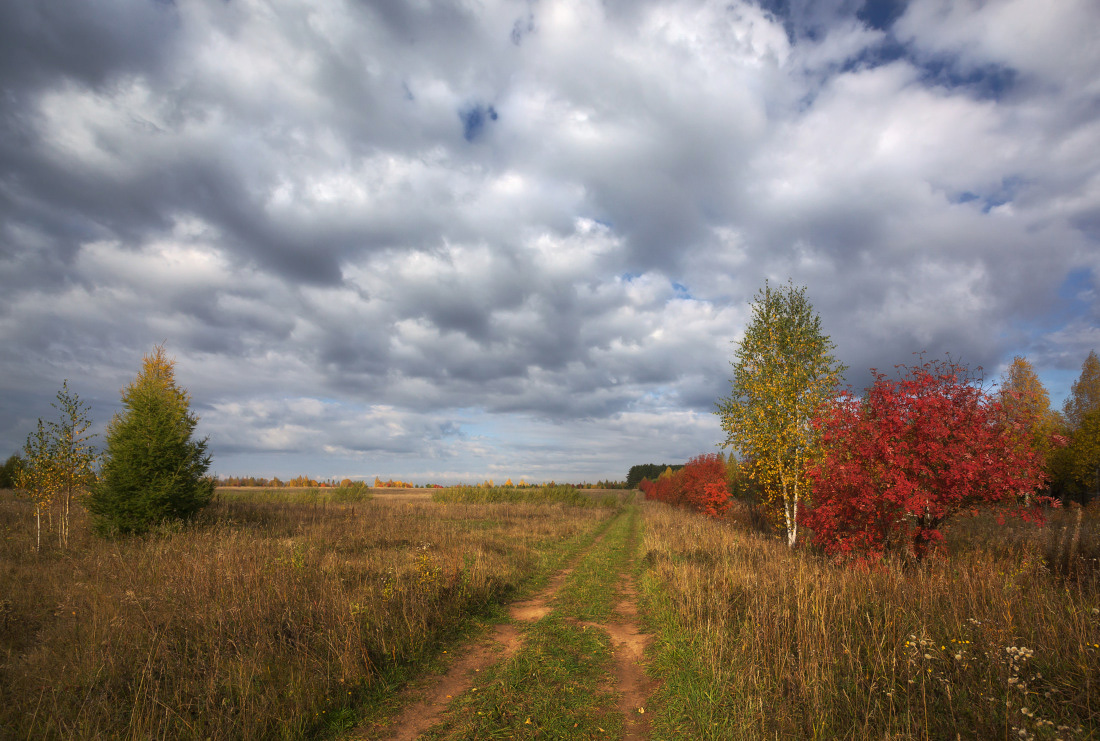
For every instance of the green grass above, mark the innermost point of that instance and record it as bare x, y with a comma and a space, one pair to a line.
592, 590
555, 687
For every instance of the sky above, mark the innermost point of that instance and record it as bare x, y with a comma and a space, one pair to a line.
450, 241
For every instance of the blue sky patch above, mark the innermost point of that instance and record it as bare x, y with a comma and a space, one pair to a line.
1010, 187
881, 14
989, 82
474, 119
1077, 283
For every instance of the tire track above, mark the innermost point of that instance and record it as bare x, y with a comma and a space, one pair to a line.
505, 639
634, 683
629, 644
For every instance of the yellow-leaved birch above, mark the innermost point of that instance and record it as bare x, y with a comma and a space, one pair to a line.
1025, 405
783, 372
59, 461
75, 458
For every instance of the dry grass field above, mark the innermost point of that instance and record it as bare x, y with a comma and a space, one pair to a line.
302, 613
275, 615
987, 641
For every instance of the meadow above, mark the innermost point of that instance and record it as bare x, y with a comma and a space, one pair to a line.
301, 613
276, 614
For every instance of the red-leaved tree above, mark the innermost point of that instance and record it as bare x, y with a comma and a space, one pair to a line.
914, 451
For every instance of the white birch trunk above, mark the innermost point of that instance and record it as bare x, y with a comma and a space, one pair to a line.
790, 514
792, 534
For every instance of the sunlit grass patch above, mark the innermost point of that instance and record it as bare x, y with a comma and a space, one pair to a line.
556, 686
593, 589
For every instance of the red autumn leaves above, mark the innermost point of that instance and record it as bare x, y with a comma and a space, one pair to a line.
916, 450
699, 485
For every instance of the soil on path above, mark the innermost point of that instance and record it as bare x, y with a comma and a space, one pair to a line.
500, 645
629, 644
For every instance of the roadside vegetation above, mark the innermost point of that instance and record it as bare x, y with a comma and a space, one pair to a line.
941, 576
559, 684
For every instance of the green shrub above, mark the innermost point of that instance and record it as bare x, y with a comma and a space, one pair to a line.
11, 468
357, 491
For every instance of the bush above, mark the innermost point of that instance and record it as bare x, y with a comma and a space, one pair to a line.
352, 491
700, 484
11, 468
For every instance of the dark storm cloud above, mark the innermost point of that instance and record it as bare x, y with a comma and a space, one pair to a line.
465, 238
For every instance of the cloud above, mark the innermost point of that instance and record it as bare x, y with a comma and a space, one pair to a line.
442, 240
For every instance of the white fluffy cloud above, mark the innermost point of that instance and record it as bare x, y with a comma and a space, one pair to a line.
447, 241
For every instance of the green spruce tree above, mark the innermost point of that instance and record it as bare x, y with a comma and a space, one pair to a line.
153, 470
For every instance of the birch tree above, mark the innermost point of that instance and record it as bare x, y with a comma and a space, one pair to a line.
60, 462
783, 372
74, 455
37, 480
1085, 393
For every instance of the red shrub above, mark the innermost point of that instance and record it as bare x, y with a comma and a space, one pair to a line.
700, 485
703, 484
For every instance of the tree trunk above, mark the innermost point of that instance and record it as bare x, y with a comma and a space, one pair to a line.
790, 513
63, 527
794, 516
